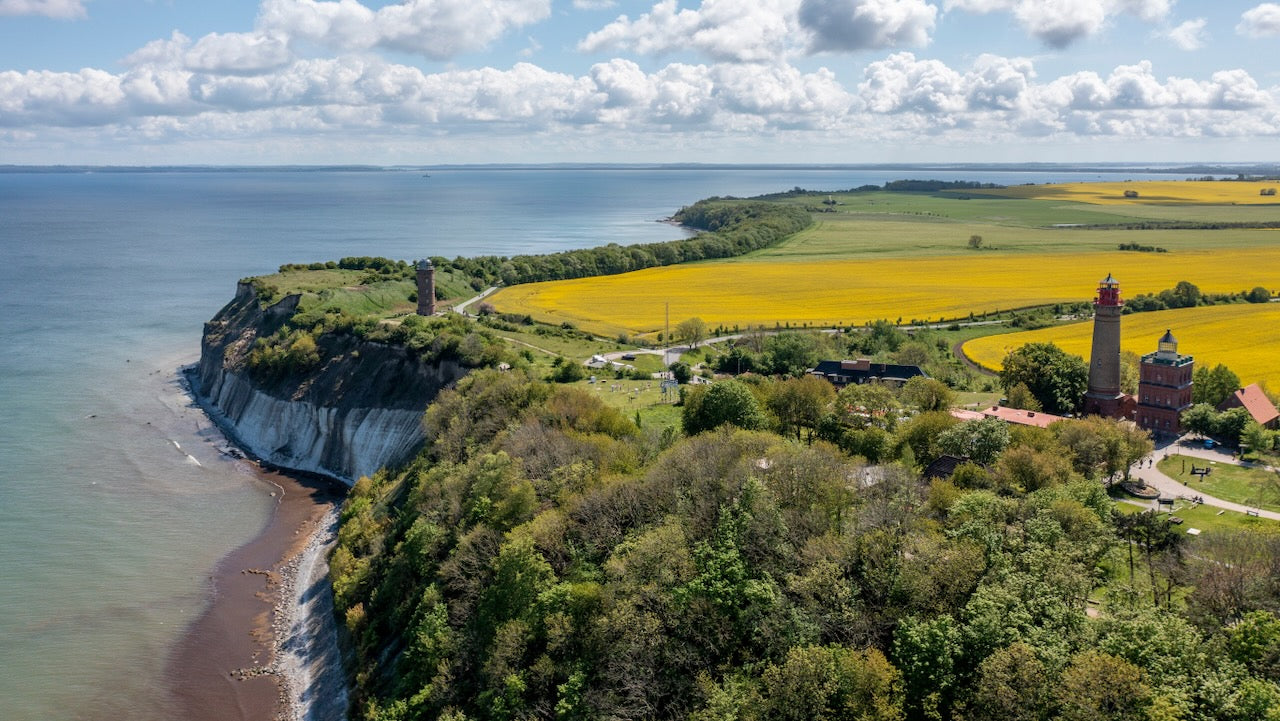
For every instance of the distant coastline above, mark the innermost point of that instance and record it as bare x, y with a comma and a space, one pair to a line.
1197, 169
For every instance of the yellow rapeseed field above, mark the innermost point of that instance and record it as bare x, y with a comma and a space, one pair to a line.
855, 291
1245, 338
1172, 192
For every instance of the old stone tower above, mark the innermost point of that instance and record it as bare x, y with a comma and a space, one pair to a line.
1164, 388
426, 287
1104, 397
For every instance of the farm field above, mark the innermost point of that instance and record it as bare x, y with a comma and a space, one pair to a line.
1244, 337
1178, 192
847, 235
853, 291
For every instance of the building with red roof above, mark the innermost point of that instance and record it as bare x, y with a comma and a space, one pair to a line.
1252, 399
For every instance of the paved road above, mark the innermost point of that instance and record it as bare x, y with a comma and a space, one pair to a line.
462, 307
1170, 487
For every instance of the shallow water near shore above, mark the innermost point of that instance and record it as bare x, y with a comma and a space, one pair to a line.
116, 503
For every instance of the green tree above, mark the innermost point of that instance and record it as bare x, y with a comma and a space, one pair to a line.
1256, 437
980, 441
866, 405
1200, 418
830, 683
975, 241
1186, 295
920, 435
681, 372
1019, 396
1023, 469
691, 331
1229, 425
1101, 687
1011, 685
1101, 446
1056, 379
1213, 385
927, 394
791, 354
928, 652
1130, 371
1255, 642
727, 401
800, 402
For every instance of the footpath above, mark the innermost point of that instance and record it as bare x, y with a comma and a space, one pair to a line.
1170, 487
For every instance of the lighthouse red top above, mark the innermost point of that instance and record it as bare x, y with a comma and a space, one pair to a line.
1108, 292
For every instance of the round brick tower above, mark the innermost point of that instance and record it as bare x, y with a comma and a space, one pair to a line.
1104, 396
426, 287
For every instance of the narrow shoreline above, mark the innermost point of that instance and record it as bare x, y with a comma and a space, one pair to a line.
265, 648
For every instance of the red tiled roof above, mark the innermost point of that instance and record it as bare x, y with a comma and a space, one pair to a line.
1252, 399
1038, 419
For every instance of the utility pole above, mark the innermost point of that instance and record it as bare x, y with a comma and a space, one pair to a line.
666, 337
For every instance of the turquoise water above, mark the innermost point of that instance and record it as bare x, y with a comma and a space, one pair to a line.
114, 502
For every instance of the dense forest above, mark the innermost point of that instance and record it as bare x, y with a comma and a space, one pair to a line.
545, 557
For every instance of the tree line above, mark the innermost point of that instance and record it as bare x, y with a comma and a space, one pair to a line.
731, 228
547, 558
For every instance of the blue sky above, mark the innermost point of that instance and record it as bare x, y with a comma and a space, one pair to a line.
745, 81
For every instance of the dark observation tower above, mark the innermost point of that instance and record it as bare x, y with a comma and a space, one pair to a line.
426, 287
1104, 397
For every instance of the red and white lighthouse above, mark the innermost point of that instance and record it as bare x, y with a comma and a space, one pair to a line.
1104, 397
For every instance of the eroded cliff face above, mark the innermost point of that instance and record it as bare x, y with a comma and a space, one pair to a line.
359, 410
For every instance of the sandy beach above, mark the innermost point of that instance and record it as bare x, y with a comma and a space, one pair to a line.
243, 659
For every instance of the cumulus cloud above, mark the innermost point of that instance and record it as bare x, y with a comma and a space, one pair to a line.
593, 4
842, 25
1059, 23
231, 53
726, 30
438, 29
60, 9
237, 53
1189, 35
903, 97
1262, 21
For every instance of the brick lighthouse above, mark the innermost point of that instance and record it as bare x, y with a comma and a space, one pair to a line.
1104, 397
1164, 388
426, 287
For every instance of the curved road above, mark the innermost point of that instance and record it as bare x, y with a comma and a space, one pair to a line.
1170, 487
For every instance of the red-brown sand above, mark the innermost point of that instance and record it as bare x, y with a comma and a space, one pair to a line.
219, 671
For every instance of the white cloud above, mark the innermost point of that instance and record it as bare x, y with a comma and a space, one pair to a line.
726, 30
237, 53
901, 98
593, 4
60, 9
1262, 21
845, 25
1059, 23
438, 29
1189, 35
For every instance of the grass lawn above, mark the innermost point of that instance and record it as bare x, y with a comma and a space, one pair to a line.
1209, 519
978, 399
631, 396
1228, 482
577, 349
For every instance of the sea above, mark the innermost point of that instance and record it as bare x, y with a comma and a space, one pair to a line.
116, 501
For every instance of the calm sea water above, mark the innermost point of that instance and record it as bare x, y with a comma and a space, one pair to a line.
114, 503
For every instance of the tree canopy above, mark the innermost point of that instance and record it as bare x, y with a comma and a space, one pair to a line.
1055, 378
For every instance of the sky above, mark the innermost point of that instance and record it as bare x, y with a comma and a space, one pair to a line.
417, 82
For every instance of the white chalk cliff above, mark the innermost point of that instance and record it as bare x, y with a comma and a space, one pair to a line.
359, 411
